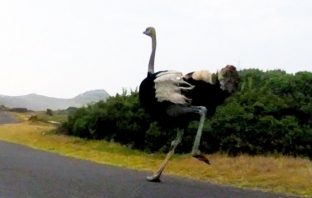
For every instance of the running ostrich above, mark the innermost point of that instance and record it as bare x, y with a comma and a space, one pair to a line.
175, 100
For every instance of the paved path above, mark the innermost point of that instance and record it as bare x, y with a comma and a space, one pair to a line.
25, 172
6, 118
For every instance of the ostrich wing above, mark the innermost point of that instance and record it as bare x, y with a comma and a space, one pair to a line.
168, 86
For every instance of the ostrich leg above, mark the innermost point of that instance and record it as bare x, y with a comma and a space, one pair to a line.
195, 151
174, 144
176, 111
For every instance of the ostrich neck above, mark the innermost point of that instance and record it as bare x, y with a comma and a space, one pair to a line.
152, 58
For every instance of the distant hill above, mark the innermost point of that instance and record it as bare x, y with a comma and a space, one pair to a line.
38, 102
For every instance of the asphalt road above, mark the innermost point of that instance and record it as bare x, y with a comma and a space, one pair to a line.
6, 118
26, 172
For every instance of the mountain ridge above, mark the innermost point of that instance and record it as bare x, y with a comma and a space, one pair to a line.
38, 102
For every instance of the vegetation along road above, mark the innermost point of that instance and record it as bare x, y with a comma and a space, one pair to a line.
26, 172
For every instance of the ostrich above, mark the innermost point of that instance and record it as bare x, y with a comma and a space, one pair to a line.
175, 100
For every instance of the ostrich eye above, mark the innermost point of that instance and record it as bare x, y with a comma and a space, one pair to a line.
147, 29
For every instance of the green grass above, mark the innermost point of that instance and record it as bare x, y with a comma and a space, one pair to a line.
56, 116
279, 174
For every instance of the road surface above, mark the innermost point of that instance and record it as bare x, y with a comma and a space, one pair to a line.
30, 173
6, 118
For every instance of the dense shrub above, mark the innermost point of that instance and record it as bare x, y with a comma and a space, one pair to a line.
271, 113
71, 110
20, 110
49, 112
119, 118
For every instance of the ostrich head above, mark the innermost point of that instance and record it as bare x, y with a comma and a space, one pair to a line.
228, 78
150, 31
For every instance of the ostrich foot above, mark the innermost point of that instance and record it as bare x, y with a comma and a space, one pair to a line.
200, 156
154, 178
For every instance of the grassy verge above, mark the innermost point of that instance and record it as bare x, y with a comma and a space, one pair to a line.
278, 174
58, 117
41, 115
20, 116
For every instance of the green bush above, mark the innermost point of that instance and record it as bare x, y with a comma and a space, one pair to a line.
119, 118
20, 110
271, 113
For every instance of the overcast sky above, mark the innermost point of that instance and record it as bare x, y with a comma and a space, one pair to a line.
62, 48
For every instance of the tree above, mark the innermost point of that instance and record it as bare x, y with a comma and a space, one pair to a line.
49, 112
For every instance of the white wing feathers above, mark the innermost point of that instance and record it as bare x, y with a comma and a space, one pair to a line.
168, 87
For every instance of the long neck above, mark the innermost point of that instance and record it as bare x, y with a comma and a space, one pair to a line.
152, 58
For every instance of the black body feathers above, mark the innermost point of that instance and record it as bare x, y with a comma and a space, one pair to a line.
203, 94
